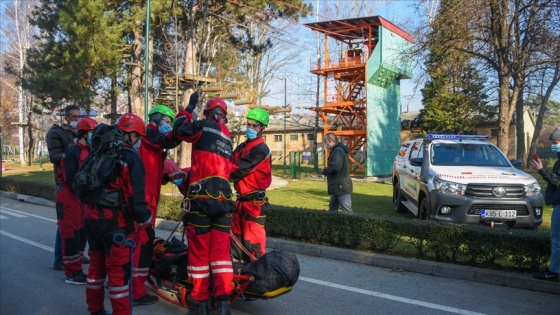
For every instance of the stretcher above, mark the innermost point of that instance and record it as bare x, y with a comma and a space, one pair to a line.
177, 291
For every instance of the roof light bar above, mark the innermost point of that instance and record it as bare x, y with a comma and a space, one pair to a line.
453, 137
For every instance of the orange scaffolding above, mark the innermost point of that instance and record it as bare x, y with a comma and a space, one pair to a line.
344, 108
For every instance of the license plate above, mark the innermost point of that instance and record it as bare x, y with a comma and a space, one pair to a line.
498, 214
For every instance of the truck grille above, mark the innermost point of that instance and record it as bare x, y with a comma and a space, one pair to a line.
485, 191
520, 209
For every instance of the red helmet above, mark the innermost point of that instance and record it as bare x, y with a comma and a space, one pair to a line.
86, 124
130, 122
169, 166
215, 102
216, 109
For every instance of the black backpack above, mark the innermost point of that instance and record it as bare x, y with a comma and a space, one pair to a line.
100, 168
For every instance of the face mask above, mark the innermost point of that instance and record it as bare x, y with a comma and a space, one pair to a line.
73, 124
250, 133
555, 148
136, 146
89, 138
165, 128
178, 181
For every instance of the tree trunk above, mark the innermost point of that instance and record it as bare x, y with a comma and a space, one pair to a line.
31, 140
520, 126
136, 73
21, 126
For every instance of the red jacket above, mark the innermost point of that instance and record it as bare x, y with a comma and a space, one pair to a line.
70, 163
151, 152
252, 167
211, 146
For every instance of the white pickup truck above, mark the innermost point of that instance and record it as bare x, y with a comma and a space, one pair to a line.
464, 179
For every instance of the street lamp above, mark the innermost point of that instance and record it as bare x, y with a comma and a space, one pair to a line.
285, 105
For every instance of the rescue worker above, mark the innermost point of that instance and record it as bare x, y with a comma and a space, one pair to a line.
59, 138
69, 210
251, 175
158, 138
209, 220
109, 230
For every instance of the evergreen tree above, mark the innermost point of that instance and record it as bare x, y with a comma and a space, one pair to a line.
453, 97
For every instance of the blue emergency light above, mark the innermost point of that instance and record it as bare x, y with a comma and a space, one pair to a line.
456, 137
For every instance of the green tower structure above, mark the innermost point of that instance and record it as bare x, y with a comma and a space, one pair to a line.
362, 76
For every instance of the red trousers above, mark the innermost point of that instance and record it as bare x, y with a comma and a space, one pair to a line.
142, 261
111, 260
209, 246
69, 212
247, 225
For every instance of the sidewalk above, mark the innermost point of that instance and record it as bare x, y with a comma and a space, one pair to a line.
398, 264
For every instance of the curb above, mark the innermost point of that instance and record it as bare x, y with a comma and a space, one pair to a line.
496, 277
30, 199
398, 264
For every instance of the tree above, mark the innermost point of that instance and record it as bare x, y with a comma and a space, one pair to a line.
506, 37
18, 33
453, 97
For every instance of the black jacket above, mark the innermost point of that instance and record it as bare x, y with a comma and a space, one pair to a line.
58, 140
338, 171
552, 178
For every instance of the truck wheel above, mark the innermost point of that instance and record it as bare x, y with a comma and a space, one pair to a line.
397, 199
424, 211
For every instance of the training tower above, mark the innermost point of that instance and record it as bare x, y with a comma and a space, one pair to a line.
362, 73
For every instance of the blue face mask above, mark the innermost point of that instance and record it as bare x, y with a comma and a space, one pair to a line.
250, 134
178, 181
165, 128
555, 148
89, 138
136, 146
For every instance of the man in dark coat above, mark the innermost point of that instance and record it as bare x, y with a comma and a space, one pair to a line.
338, 174
59, 138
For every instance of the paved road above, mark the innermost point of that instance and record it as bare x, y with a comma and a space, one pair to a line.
326, 286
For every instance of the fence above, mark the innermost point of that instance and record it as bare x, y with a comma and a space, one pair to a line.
303, 163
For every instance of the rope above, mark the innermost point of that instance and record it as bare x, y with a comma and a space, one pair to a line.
120, 239
238, 243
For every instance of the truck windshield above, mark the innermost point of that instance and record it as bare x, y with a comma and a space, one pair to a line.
455, 154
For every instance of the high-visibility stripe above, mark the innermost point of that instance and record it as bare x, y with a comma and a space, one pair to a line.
200, 275
125, 287
118, 296
201, 268
222, 270
221, 262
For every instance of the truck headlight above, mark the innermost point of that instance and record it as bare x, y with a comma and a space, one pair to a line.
532, 189
448, 187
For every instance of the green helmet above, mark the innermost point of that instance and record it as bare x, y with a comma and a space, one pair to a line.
259, 115
164, 110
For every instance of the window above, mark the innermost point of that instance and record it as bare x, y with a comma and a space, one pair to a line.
416, 151
494, 133
277, 138
293, 137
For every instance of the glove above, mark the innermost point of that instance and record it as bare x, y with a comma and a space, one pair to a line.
192, 102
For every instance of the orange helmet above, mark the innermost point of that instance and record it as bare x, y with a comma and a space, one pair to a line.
130, 122
216, 109
86, 124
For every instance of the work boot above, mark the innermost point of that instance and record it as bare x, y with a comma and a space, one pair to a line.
200, 308
223, 307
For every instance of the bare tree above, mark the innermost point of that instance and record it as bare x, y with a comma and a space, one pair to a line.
507, 36
18, 33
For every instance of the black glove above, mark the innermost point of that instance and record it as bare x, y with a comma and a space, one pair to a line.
192, 102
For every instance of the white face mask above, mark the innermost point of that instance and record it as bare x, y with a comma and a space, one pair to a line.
73, 124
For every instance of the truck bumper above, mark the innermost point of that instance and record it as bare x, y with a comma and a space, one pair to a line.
467, 210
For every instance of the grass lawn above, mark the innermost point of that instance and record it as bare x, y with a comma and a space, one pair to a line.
368, 197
